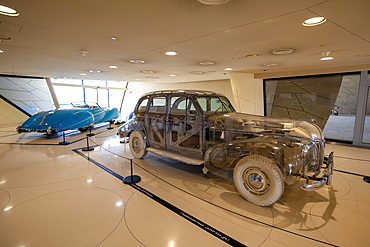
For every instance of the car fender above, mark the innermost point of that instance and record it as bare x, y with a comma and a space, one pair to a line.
77, 120
110, 115
222, 158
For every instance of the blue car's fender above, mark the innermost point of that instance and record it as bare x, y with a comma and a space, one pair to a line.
110, 115
77, 120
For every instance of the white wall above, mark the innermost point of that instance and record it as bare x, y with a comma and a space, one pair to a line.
136, 89
247, 93
10, 115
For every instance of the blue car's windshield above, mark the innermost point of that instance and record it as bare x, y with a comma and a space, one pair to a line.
82, 104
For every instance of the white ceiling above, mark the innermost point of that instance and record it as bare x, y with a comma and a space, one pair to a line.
48, 34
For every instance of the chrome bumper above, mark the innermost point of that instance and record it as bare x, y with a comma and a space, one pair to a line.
326, 177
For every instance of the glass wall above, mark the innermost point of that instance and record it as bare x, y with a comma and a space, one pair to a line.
105, 93
329, 100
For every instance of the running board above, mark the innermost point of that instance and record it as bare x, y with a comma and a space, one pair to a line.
179, 157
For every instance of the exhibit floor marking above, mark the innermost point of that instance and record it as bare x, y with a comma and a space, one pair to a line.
225, 238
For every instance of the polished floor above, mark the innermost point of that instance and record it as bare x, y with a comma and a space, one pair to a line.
59, 195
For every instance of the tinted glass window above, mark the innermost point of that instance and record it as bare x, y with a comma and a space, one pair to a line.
178, 105
142, 106
158, 105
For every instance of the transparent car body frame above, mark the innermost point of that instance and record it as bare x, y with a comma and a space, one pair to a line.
208, 127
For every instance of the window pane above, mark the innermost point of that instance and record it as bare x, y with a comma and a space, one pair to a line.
366, 132
178, 105
103, 97
143, 105
67, 95
158, 105
331, 100
203, 103
91, 95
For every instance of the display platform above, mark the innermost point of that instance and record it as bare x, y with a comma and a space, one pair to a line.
71, 193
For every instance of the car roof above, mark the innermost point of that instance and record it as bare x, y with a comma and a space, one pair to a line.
179, 91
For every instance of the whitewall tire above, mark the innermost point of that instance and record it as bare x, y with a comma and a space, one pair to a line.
137, 144
258, 180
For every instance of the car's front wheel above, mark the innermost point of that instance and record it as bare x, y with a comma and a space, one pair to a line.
137, 144
258, 180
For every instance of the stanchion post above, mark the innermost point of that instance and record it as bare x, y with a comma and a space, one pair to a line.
64, 140
91, 134
110, 125
131, 179
87, 148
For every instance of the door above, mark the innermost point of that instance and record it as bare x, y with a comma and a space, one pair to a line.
155, 122
361, 135
185, 130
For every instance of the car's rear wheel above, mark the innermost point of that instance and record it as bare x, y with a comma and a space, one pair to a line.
258, 180
83, 129
137, 144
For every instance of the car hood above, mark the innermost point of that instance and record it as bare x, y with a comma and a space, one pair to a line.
49, 118
266, 125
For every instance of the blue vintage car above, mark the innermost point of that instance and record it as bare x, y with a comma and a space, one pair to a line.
81, 117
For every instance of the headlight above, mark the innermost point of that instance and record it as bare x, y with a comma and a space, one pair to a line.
309, 154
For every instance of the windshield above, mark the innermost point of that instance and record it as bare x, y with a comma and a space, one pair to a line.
214, 104
82, 104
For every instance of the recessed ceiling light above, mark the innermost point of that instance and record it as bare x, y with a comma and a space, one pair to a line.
251, 56
8, 11
228, 69
326, 58
282, 51
270, 64
137, 61
94, 71
83, 53
147, 71
1, 51
363, 55
314, 21
113, 67
197, 72
83, 74
213, 2
173, 75
2, 38
170, 53
113, 38
206, 63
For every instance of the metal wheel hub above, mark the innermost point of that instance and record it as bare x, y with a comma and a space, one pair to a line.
136, 144
255, 181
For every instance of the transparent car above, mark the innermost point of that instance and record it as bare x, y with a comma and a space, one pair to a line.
261, 154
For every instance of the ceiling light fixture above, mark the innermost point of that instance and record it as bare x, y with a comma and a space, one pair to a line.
206, 63
113, 38
3, 38
94, 71
137, 61
83, 74
213, 2
251, 56
325, 56
147, 71
173, 75
282, 51
83, 53
314, 21
363, 55
270, 64
228, 69
1, 51
170, 53
8, 11
197, 72
113, 67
